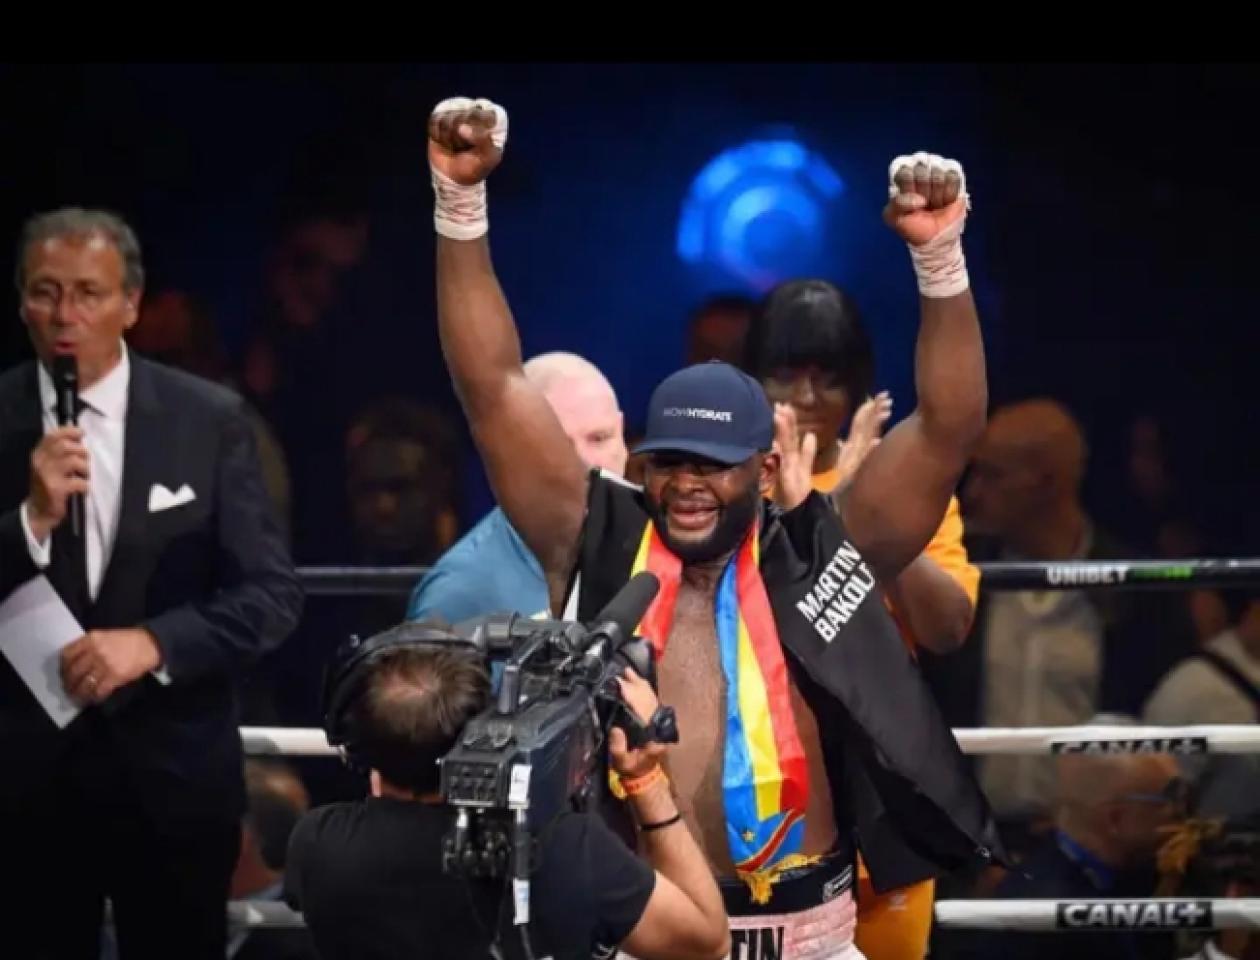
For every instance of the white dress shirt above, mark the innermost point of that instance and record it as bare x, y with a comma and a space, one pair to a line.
103, 420
1195, 691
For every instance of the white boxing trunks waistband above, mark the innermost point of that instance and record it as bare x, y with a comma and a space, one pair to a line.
811, 915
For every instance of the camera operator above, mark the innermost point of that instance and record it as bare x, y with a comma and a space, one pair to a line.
368, 875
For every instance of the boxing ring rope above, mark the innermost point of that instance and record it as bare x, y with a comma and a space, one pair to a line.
1026, 915
1063, 916
1153, 915
996, 575
262, 913
1021, 741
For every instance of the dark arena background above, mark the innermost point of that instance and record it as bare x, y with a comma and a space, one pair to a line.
286, 218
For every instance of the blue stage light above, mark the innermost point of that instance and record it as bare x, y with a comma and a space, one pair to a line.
758, 211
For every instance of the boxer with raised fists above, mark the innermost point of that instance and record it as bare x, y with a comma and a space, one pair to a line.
806, 729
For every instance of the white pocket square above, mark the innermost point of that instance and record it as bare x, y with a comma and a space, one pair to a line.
162, 499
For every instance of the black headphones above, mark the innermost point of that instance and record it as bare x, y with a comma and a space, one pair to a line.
346, 671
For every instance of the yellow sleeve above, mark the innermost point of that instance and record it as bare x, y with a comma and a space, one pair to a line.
947, 551
826, 481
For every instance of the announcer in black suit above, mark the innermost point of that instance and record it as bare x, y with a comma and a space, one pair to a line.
181, 580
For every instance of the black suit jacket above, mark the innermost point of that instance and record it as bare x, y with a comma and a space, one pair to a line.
211, 579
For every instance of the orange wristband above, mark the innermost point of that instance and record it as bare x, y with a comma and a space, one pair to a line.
637, 785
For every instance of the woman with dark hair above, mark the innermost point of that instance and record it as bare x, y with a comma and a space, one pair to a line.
808, 348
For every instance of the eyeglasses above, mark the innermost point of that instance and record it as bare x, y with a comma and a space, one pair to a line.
46, 298
1176, 794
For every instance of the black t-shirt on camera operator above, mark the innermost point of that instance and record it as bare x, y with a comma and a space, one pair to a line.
368, 878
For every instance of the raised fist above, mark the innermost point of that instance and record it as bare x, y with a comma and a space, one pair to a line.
466, 139
927, 195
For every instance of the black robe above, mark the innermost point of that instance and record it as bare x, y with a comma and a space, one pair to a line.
903, 791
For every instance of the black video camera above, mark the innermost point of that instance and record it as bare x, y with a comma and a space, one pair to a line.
536, 750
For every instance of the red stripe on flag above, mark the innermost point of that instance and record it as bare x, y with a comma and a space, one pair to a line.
667, 568
771, 847
755, 609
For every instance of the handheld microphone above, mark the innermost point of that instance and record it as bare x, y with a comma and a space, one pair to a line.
618, 620
616, 623
65, 377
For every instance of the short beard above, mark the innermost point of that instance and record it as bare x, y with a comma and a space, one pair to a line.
734, 520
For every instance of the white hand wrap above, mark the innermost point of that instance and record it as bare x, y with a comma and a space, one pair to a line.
459, 211
939, 264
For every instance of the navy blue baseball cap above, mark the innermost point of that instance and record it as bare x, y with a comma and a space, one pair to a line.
712, 410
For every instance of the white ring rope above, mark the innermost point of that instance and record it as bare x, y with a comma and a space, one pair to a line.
1074, 915
1028, 741
262, 913
1063, 916
1025, 915
1039, 915
287, 741
1238, 738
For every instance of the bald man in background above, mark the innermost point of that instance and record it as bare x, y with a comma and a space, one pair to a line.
490, 570
1110, 812
1051, 657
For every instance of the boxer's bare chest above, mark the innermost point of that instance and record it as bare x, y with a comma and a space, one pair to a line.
692, 682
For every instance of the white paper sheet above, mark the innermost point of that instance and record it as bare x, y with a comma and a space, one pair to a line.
34, 627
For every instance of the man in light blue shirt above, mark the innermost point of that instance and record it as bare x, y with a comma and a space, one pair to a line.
490, 570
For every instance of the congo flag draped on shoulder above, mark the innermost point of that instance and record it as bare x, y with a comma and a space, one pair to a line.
765, 779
